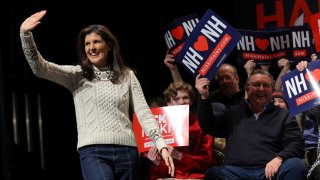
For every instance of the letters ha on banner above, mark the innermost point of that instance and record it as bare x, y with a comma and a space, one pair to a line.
208, 45
315, 27
266, 47
174, 125
178, 31
302, 88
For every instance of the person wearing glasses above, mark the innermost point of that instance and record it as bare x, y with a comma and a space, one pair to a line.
263, 141
229, 92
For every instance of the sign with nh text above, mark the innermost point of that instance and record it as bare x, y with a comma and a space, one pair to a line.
178, 31
302, 88
208, 46
266, 47
174, 125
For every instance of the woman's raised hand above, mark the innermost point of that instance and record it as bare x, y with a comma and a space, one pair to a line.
32, 21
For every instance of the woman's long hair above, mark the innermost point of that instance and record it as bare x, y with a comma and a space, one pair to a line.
114, 63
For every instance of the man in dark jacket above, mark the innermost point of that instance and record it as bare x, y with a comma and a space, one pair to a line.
263, 141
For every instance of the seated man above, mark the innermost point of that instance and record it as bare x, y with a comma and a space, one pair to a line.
190, 161
263, 142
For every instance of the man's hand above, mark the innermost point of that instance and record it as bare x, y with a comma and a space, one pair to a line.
302, 65
202, 85
169, 62
272, 167
249, 66
283, 63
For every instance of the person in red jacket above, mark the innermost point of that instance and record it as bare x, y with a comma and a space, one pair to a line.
190, 161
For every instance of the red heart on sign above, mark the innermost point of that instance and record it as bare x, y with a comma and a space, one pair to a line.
178, 32
201, 44
262, 43
315, 75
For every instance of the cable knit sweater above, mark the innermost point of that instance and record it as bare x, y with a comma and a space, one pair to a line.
102, 108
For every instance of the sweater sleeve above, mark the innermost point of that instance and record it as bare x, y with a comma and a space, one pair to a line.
146, 119
60, 74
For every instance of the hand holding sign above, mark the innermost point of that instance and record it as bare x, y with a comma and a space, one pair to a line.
249, 66
202, 85
208, 45
301, 66
284, 63
174, 125
169, 62
301, 86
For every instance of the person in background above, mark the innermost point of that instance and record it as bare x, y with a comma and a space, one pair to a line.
285, 66
103, 89
190, 161
263, 142
228, 93
307, 123
156, 102
279, 99
312, 153
306, 119
314, 170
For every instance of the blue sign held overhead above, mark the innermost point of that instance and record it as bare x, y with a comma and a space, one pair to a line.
302, 88
208, 45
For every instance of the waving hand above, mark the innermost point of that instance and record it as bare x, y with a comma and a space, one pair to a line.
32, 21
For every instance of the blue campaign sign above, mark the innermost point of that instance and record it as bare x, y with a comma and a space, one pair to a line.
208, 45
178, 31
266, 47
302, 88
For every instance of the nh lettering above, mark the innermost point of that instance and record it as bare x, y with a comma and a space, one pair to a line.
296, 85
188, 26
212, 30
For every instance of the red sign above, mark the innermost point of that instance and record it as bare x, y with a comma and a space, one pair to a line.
174, 125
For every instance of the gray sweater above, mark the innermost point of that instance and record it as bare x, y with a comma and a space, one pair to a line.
102, 108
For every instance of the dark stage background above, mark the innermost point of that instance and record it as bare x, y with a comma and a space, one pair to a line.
139, 26
25, 99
